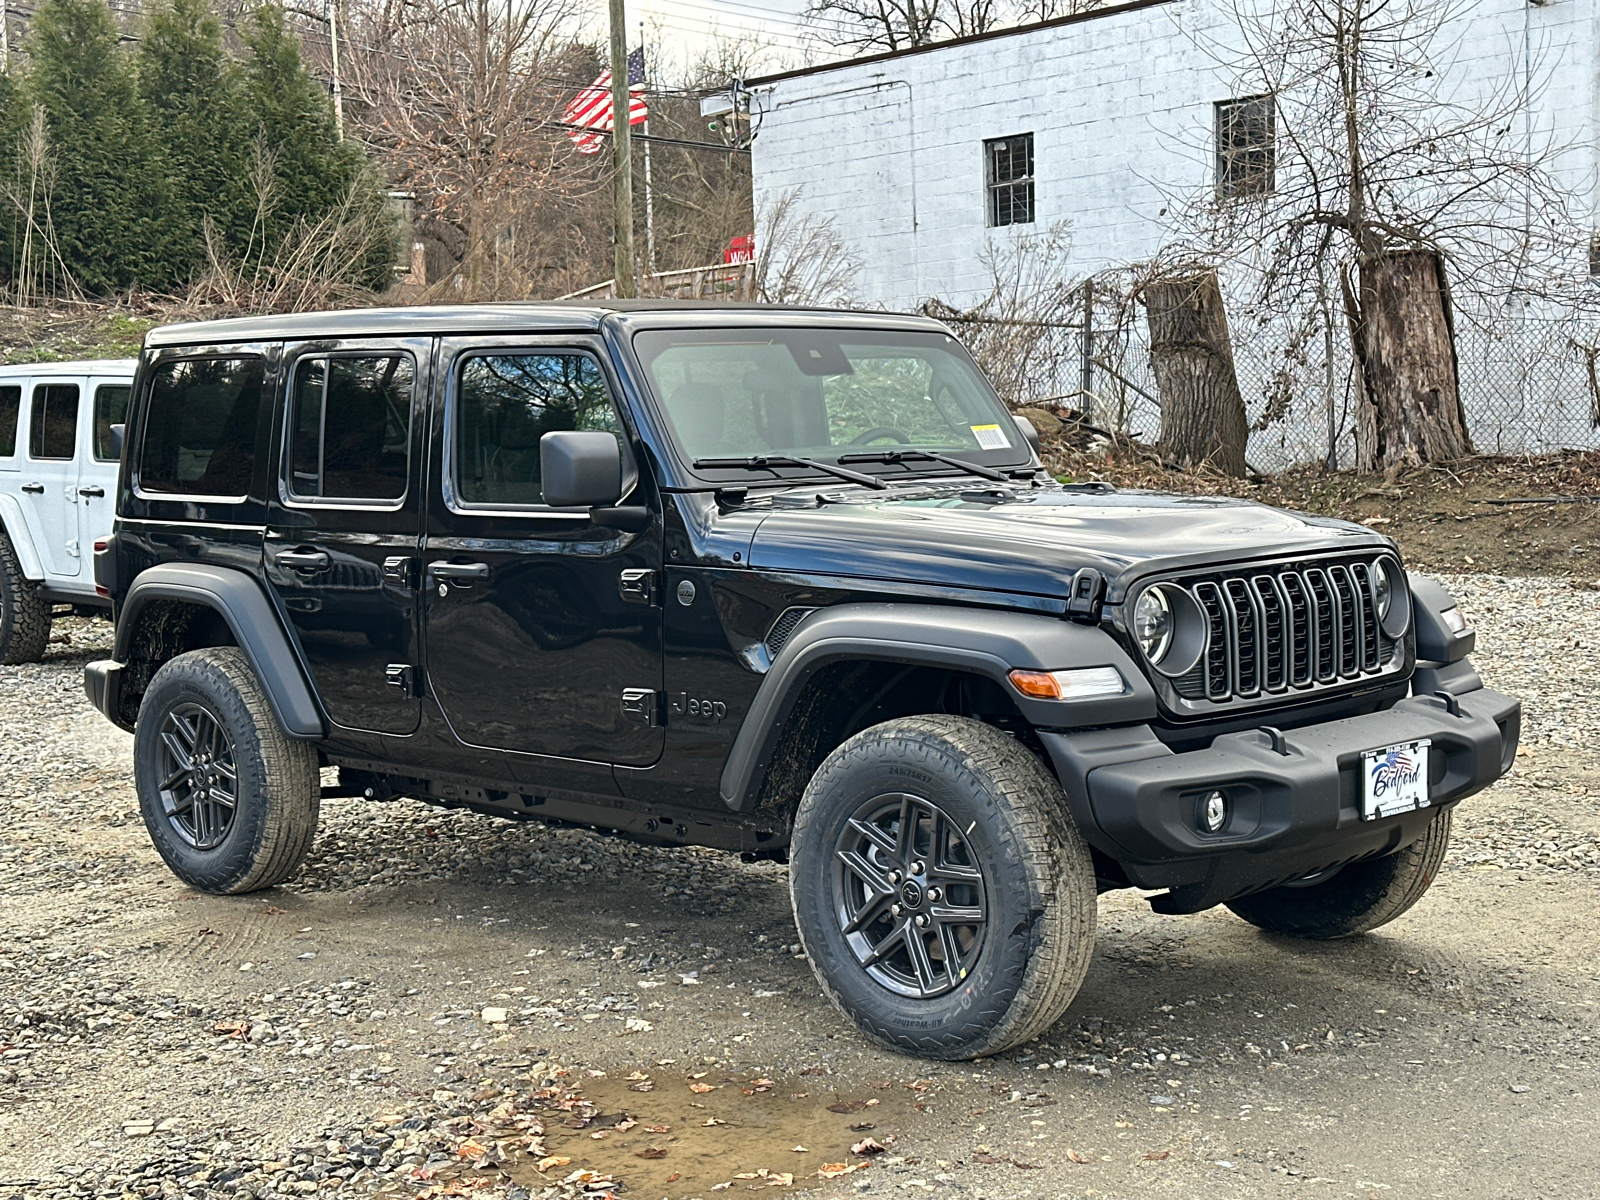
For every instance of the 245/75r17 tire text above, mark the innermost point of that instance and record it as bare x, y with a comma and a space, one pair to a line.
943, 896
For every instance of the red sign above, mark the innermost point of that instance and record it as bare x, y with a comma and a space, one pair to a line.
741, 249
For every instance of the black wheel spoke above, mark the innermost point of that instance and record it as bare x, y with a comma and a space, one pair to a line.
911, 904
200, 780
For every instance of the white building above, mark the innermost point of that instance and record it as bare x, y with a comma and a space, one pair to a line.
924, 157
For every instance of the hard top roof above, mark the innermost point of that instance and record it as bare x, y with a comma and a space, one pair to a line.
80, 366
554, 316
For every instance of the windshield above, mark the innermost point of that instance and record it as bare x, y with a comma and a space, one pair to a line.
825, 394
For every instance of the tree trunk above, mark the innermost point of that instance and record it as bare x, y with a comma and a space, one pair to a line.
1202, 413
1410, 409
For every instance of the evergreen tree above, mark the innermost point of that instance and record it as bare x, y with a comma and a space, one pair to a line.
195, 98
111, 207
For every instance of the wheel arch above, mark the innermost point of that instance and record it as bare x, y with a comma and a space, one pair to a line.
15, 527
845, 663
177, 607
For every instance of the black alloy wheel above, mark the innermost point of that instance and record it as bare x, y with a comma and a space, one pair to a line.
199, 777
909, 895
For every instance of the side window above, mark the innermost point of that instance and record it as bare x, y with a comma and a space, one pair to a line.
200, 427
1246, 147
54, 429
1008, 166
504, 404
10, 410
110, 408
350, 428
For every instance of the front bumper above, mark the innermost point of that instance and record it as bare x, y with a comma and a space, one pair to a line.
1291, 812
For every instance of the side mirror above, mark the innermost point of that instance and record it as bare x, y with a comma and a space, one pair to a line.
117, 431
580, 469
1029, 433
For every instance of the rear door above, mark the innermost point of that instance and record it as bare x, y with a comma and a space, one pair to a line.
56, 418
343, 524
97, 472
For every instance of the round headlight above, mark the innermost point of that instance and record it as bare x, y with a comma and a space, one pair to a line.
1384, 587
1152, 624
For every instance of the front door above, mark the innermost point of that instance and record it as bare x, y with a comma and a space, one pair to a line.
50, 476
532, 644
343, 525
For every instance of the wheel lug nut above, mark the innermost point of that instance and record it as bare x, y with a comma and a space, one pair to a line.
895, 876
922, 920
917, 868
935, 895
894, 910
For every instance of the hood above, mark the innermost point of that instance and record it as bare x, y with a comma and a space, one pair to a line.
1032, 541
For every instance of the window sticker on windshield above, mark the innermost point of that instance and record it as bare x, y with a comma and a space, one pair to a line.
989, 437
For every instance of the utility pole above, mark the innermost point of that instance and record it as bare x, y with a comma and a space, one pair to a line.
622, 153
338, 90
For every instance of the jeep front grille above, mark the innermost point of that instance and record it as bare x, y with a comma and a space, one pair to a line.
1286, 629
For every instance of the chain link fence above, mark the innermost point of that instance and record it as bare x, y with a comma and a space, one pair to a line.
1528, 382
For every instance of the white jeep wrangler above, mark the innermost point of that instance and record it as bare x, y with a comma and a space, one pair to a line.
60, 442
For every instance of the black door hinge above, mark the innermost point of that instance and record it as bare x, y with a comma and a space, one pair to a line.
637, 587
642, 705
400, 570
402, 676
1084, 597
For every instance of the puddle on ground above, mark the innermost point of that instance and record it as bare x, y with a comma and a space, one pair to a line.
664, 1132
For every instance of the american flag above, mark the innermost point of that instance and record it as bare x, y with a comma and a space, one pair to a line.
591, 108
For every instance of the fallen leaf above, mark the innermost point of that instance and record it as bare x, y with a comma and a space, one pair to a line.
638, 1075
554, 1160
674, 1177
700, 1089
987, 1159
815, 1071
1124, 1124
601, 1134
710, 1121
868, 1145
780, 1179
762, 1085
873, 1103
1155, 1157
1075, 1156
747, 1175
234, 1029
800, 1150
471, 1149
834, 1170
626, 1124
720, 1187
699, 1074
657, 1128
272, 910
862, 1126
652, 1152
1022, 1166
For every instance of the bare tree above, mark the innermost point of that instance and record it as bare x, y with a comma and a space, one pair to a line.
1353, 161
801, 258
872, 26
463, 98
1202, 413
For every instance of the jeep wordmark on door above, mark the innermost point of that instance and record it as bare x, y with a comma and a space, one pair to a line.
780, 582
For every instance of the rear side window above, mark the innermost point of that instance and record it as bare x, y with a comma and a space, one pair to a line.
200, 427
350, 423
54, 429
110, 408
505, 404
10, 409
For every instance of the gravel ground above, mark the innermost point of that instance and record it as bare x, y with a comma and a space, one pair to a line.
443, 1001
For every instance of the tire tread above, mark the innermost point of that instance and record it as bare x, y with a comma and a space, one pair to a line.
24, 614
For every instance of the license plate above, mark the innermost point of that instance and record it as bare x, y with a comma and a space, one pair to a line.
1394, 780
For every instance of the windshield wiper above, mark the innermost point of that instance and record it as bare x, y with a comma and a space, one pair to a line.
895, 456
763, 462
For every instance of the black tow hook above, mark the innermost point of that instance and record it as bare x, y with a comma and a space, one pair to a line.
1451, 704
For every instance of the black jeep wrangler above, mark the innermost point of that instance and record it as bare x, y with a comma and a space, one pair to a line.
775, 581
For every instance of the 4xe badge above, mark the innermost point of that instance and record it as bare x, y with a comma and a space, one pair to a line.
703, 710
1394, 780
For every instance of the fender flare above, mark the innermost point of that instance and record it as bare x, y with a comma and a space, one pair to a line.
974, 640
16, 528
256, 628
1437, 643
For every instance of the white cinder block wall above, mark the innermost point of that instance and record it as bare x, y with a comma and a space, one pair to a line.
1120, 106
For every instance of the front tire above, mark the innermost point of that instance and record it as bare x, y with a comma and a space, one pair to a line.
943, 896
24, 614
229, 800
1355, 899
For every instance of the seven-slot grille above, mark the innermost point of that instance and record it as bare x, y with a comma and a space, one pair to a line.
1285, 629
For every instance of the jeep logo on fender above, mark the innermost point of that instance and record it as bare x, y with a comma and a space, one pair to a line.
705, 710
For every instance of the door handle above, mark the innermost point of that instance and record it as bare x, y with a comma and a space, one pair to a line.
303, 560
92, 491
33, 489
454, 570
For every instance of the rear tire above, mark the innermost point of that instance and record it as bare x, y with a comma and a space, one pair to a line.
229, 800
1357, 898
24, 614
990, 830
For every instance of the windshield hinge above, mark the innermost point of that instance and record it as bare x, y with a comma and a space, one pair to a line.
1083, 599
637, 587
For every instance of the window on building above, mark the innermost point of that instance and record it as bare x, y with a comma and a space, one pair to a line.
54, 428
10, 409
200, 427
1594, 267
1008, 167
351, 428
1246, 150
110, 408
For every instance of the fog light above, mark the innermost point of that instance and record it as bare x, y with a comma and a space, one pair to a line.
1214, 812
